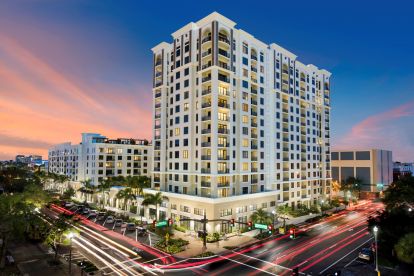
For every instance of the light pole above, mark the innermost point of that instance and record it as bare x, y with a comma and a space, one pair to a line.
70, 237
322, 207
376, 248
274, 217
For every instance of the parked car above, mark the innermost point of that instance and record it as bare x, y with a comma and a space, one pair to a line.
141, 231
130, 226
366, 254
136, 249
100, 216
118, 222
109, 220
69, 204
85, 211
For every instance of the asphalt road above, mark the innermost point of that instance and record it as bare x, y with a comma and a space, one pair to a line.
320, 249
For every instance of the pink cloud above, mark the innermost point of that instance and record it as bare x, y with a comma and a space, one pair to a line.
39, 103
387, 130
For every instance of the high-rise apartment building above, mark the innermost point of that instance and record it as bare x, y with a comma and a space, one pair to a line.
98, 157
238, 124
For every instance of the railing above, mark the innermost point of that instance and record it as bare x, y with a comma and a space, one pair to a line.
158, 74
224, 39
254, 57
157, 169
254, 169
157, 95
157, 137
224, 78
252, 124
223, 130
254, 181
206, 91
253, 158
205, 170
223, 53
206, 79
253, 135
157, 105
206, 144
206, 131
206, 118
253, 113
206, 39
253, 91
223, 171
204, 66
226, 157
205, 157
157, 127
223, 184
225, 145
253, 146
158, 63
157, 116
205, 184
254, 69
253, 102
224, 105
206, 53
207, 104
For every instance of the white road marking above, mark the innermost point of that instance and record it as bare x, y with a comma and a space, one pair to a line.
256, 268
351, 261
337, 261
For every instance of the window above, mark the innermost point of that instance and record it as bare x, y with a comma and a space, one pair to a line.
177, 131
245, 119
186, 106
185, 154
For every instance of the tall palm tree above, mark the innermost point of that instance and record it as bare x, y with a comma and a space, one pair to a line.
154, 199
103, 188
87, 188
125, 195
262, 217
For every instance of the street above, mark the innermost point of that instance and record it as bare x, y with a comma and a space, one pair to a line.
318, 249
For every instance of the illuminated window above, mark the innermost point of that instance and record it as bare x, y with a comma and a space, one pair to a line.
186, 106
119, 151
245, 107
245, 142
245, 166
245, 119
177, 131
185, 154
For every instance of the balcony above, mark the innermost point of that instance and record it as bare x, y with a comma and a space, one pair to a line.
223, 184
158, 74
158, 63
157, 127
253, 113
254, 169
206, 131
157, 95
223, 78
157, 158
286, 178
253, 102
254, 181
253, 124
158, 83
223, 105
157, 105
253, 158
204, 79
157, 137
253, 135
224, 157
224, 53
205, 66
205, 170
254, 69
285, 110
205, 105
205, 157
223, 171
206, 118
286, 159
157, 169
206, 91
254, 57
253, 91
206, 184
157, 147
285, 129
224, 39
253, 146
206, 53
206, 39
156, 179
223, 131
206, 144
223, 145
157, 116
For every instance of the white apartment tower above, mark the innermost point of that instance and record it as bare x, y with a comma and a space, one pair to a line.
236, 119
98, 157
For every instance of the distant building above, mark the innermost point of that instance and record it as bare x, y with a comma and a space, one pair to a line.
29, 159
98, 157
373, 167
402, 169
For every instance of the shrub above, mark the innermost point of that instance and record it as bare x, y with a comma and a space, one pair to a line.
205, 254
263, 235
179, 228
133, 209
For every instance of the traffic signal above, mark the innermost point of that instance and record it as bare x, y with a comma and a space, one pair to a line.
292, 233
154, 222
170, 222
232, 222
295, 271
249, 225
270, 228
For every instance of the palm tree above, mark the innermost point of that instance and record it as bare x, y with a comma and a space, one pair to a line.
262, 217
125, 195
154, 199
87, 188
103, 188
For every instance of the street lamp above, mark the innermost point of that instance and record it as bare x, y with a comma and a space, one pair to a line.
70, 237
274, 217
322, 207
376, 248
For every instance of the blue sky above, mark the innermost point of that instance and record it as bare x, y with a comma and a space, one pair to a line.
103, 48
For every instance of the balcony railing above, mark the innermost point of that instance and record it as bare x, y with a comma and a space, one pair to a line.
206, 39
223, 130
157, 105
223, 104
206, 144
223, 145
205, 105
206, 91
157, 95
205, 170
208, 78
205, 157
223, 171
205, 184
206, 131
224, 157
157, 169
206, 53
253, 91
206, 118
224, 39
223, 184
223, 78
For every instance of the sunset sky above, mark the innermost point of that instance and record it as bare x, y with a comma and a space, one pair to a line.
68, 67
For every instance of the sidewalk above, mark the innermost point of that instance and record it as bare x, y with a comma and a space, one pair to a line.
32, 259
195, 246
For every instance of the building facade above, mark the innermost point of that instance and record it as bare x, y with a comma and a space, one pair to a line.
237, 122
373, 167
98, 157
402, 170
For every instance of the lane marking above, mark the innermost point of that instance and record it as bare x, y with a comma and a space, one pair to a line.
344, 256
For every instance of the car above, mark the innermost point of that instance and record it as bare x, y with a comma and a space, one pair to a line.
141, 231
100, 216
365, 254
136, 249
110, 220
118, 222
85, 211
91, 216
69, 204
130, 226
87, 266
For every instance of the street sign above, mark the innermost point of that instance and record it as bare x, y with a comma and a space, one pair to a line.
161, 223
282, 230
260, 226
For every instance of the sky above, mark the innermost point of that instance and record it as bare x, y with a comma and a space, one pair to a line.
68, 67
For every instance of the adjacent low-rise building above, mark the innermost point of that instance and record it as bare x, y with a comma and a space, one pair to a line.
98, 157
372, 167
402, 169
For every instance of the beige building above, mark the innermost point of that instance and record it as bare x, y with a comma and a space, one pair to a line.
239, 124
373, 167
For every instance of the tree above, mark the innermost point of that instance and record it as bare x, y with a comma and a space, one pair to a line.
262, 217
56, 232
103, 188
400, 193
87, 188
125, 195
154, 199
405, 248
336, 187
16, 213
353, 185
69, 193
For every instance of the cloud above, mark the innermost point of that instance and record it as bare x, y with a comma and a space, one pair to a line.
391, 129
41, 104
